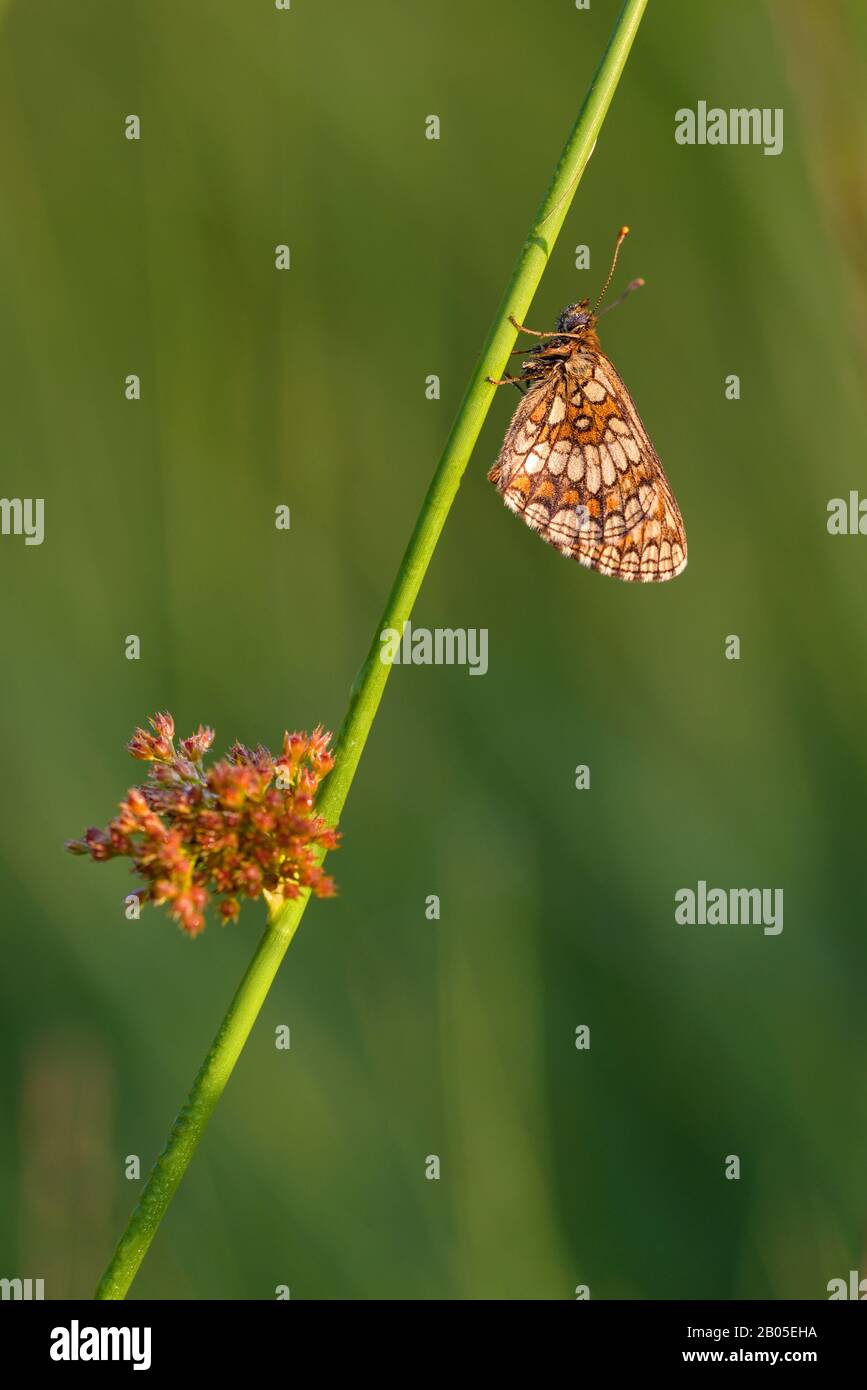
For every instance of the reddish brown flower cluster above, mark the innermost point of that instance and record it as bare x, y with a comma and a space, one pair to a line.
241, 827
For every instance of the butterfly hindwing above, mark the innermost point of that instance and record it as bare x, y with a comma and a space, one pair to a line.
578, 467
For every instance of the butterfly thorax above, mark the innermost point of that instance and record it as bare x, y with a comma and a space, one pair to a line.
572, 352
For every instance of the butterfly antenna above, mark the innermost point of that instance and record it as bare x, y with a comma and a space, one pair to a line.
621, 237
633, 285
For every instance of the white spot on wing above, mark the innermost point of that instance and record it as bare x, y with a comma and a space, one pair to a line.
526, 437
609, 472
557, 411
631, 449
537, 458
591, 461
603, 380
619, 457
575, 467
559, 455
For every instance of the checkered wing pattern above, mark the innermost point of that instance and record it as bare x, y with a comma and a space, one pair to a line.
578, 467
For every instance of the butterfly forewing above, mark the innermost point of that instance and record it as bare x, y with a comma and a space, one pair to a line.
578, 467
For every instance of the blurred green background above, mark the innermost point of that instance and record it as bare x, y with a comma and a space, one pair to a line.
456, 1037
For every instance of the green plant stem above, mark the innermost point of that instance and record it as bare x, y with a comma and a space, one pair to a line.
284, 917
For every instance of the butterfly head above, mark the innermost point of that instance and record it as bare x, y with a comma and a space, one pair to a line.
575, 318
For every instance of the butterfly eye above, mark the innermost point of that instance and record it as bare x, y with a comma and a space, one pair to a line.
571, 320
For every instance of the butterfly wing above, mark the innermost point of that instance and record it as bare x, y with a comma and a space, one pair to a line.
578, 467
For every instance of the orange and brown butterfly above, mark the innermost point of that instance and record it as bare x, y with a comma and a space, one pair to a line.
577, 464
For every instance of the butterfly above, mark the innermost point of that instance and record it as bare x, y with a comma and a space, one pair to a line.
577, 464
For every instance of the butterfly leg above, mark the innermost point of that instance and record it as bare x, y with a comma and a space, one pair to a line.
534, 332
507, 380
